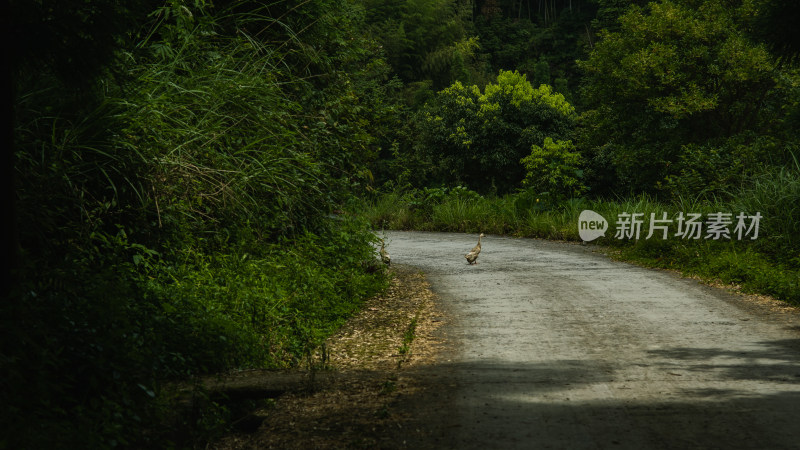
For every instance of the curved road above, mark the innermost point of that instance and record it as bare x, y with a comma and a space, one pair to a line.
550, 345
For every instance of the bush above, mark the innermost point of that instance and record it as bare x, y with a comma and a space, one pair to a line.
678, 79
554, 169
184, 215
776, 195
719, 169
477, 139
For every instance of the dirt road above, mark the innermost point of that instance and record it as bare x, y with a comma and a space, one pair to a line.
553, 346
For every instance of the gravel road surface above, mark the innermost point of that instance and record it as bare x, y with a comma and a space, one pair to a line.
551, 345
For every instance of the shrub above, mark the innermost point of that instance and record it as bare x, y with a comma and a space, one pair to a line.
477, 138
676, 77
776, 195
554, 169
179, 219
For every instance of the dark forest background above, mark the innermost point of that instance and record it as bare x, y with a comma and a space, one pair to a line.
185, 180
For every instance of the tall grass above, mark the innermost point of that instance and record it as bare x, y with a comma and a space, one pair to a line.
776, 195
769, 264
179, 222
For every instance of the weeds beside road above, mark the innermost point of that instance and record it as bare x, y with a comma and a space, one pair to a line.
351, 402
769, 265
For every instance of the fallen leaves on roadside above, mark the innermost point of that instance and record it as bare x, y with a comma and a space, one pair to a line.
351, 406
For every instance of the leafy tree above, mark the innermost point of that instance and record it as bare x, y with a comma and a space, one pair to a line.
676, 74
424, 39
478, 138
555, 168
507, 43
518, 37
609, 11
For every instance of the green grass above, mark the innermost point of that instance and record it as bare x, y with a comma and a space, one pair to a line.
769, 265
176, 218
408, 337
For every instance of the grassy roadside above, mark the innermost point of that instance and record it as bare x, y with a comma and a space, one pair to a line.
178, 208
352, 402
768, 265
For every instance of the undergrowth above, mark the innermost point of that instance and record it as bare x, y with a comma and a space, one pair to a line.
768, 265
183, 212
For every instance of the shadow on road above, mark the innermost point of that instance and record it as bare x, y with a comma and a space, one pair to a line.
572, 405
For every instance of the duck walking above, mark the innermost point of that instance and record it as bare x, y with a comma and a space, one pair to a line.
472, 257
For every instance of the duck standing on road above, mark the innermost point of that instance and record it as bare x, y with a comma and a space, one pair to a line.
472, 257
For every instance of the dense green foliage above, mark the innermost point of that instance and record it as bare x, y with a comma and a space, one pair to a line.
478, 138
185, 173
683, 102
554, 170
426, 41
693, 102
182, 211
774, 24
